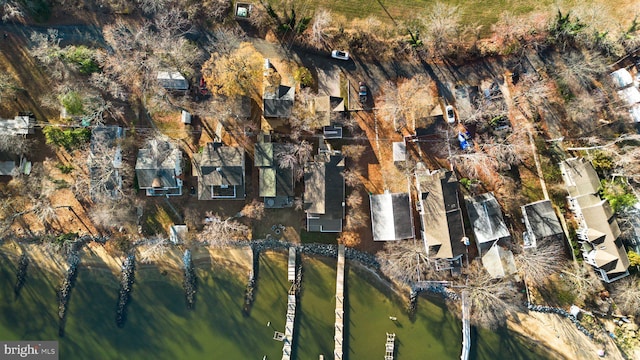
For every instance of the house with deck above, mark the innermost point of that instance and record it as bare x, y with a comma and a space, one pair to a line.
324, 192
598, 231
441, 221
487, 221
159, 169
541, 224
391, 216
220, 172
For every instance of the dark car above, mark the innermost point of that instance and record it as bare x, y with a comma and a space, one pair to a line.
362, 92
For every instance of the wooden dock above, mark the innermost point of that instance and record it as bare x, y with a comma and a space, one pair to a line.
339, 336
466, 328
390, 346
291, 307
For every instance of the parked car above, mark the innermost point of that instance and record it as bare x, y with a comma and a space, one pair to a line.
451, 114
341, 55
362, 92
464, 138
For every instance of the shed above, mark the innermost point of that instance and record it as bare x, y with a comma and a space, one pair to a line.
178, 233
186, 117
172, 80
399, 151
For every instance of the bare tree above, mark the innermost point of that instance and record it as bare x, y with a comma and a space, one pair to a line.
442, 23
219, 232
12, 11
354, 199
321, 21
406, 261
352, 177
626, 294
234, 74
152, 249
491, 299
253, 210
18, 145
581, 280
538, 264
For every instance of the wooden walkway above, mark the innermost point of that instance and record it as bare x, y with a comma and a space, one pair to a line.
466, 329
291, 307
339, 336
390, 346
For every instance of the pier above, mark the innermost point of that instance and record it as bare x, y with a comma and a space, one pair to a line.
339, 336
291, 306
466, 329
390, 346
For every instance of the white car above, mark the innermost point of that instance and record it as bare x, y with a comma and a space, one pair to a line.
342, 55
451, 114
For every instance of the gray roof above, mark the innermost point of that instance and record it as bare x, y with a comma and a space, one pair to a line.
541, 221
19, 125
219, 169
279, 103
324, 194
7, 168
579, 177
391, 216
499, 262
220, 165
486, 220
162, 167
441, 215
172, 80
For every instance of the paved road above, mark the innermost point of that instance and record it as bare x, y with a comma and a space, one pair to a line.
68, 34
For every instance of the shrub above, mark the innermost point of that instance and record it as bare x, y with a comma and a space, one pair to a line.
618, 194
83, 58
65, 168
69, 139
72, 102
634, 258
303, 76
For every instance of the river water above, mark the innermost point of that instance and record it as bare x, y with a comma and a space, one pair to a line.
159, 326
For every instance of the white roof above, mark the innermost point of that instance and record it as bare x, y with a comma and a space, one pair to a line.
399, 151
635, 112
622, 78
631, 95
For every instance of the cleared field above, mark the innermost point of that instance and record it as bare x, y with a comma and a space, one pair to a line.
474, 12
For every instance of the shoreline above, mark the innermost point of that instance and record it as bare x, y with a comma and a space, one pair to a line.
531, 327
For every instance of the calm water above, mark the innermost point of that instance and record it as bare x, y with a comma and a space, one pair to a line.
160, 327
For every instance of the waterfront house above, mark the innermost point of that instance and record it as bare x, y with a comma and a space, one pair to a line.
487, 222
598, 232
159, 169
275, 182
220, 171
541, 223
324, 192
442, 225
391, 217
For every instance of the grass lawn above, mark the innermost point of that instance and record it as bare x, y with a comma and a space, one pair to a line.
479, 12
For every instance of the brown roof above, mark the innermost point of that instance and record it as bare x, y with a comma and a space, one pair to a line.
441, 216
